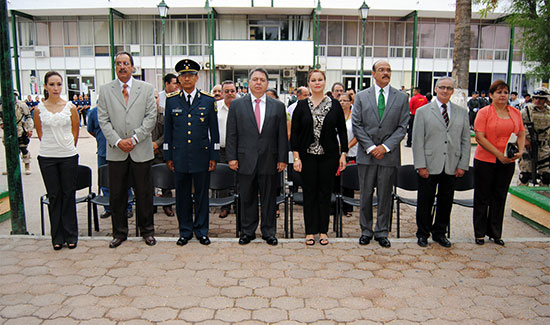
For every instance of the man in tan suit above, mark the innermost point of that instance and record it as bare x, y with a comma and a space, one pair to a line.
441, 152
127, 114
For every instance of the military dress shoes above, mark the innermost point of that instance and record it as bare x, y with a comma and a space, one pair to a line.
271, 240
443, 241
364, 240
422, 242
204, 240
116, 242
182, 241
384, 242
245, 239
105, 215
498, 241
150, 240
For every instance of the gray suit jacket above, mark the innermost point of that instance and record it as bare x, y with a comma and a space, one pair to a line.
437, 147
253, 149
369, 130
120, 121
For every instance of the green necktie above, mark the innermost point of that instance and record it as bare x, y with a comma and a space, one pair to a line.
381, 103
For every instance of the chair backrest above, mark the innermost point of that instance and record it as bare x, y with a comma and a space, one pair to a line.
296, 179
163, 177
466, 182
407, 178
84, 178
222, 178
103, 176
349, 178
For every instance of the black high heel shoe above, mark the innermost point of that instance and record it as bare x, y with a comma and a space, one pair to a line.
71, 245
498, 241
57, 247
480, 241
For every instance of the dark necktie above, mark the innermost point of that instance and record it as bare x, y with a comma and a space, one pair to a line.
445, 114
189, 100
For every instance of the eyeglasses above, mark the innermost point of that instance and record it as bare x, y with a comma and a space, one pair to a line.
227, 91
445, 88
123, 63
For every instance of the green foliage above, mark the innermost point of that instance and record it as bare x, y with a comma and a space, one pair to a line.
534, 17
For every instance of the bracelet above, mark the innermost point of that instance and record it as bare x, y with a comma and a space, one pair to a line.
296, 159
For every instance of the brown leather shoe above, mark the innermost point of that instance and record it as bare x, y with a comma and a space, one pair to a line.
168, 211
116, 242
223, 214
150, 240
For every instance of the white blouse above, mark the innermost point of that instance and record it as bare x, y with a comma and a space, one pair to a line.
57, 136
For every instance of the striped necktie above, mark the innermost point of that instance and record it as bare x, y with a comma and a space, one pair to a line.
445, 114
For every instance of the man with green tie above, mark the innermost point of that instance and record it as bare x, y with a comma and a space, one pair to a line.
379, 118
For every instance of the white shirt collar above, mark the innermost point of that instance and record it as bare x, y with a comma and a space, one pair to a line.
129, 83
193, 93
386, 89
263, 98
441, 109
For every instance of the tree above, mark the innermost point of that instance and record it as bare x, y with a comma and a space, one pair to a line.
533, 16
461, 54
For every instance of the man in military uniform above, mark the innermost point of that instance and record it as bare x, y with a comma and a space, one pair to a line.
25, 125
538, 113
473, 106
191, 149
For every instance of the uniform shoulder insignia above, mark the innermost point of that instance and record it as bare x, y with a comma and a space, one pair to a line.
207, 94
215, 106
172, 94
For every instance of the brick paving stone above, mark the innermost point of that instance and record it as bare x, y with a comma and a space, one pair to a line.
284, 282
74, 290
148, 302
97, 321
61, 321
17, 311
235, 292
542, 311
425, 302
390, 303
321, 303
48, 299
254, 282
16, 299
216, 302
414, 314
252, 303
306, 315
81, 300
87, 312
378, 314
159, 314
123, 313
233, 314
270, 292
270, 315
517, 312
450, 313
29, 320
114, 301
484, 313
400, 292
343, 314
106, 290
287, 303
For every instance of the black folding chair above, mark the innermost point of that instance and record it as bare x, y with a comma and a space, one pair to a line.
464, 183
83, 180
224, 178
163, 178
100, 199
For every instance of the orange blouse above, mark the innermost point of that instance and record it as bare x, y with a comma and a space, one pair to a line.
496, 129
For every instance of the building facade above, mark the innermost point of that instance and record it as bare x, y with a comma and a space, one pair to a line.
76, 41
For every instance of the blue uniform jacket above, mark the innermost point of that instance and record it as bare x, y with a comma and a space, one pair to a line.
191, 134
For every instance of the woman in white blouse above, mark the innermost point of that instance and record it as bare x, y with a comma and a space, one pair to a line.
57, 126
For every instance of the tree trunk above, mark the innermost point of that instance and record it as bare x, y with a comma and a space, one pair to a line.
461, 53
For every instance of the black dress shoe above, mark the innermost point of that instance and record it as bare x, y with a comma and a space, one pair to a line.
129, 214
182, 241
271, 240
204, 240
443, 241
364, 240
116, 242
422, 242
72, 245
223, 214
383, 241
480, 241
105, 215
498, 241
245, 239
150, 240
168, 211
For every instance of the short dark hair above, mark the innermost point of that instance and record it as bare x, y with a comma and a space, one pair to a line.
125, 53
351, 90
227, 82
417, 89
168, 78
514, 93
271, 90
299, 90
337, 84
497, 85
258, 69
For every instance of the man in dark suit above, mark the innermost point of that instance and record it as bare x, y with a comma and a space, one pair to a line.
380, 117
257, 148
441, 151
191, 149
127, 113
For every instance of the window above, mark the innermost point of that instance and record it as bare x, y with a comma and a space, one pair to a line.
323, 32
426, 32
131, 31
26, 34
56, 33
179, 32
70, 31
351, 33
197, 32
334, 33
101, 32
86, 32
487, 37
380, 34
397, 34
147, 32
442, 35
42, 34
502, 37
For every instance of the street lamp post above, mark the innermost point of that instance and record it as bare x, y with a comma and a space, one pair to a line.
364, 11
163, 12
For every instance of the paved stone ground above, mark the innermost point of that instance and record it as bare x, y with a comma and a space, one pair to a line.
227, 283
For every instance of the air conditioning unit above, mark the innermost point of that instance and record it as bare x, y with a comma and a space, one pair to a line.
303, 68
223, 67
288, 73
206, 65
39, 54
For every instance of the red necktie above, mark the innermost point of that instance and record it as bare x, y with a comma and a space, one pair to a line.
257, 113
125, 93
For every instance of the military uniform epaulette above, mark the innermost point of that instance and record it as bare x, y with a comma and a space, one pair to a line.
207, 94
172, 94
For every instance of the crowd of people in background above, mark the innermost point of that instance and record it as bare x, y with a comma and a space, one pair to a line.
192, 130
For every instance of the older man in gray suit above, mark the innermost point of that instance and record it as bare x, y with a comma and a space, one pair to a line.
441, 151
380, 117
127, 113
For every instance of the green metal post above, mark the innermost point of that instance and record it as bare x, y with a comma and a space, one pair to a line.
363, 23
314, 38
415, 31
112, 42
213, 37
15, 50
510, 54
163, 51
17, 206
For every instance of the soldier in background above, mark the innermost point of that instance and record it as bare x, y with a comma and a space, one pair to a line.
473, 106
538, 113
25, 124
483, 100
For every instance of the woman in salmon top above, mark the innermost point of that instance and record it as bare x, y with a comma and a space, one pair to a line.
493, 171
